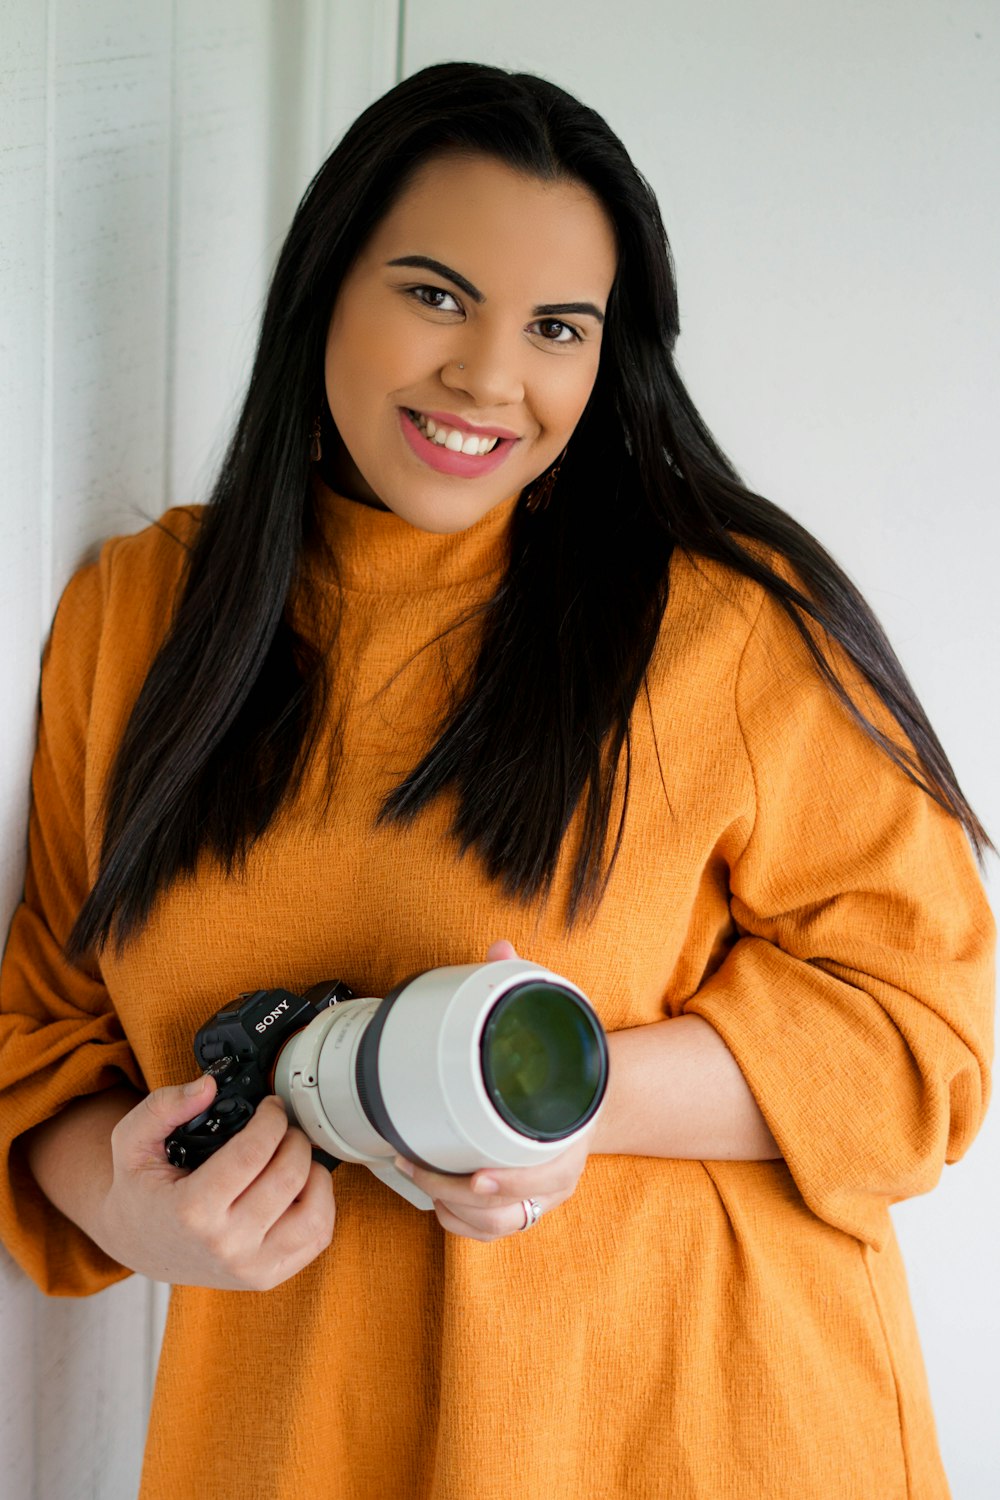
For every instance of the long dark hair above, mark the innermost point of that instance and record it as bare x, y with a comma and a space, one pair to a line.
230, 710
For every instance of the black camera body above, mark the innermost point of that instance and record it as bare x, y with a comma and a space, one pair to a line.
239, 1047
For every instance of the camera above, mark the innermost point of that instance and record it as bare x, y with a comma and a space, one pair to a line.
457, 1068
238, 1047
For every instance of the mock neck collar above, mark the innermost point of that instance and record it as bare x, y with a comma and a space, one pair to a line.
377, 552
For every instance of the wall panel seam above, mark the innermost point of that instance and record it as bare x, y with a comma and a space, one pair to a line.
400, 40
47, 584
170, 308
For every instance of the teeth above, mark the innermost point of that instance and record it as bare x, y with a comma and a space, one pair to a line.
452, 439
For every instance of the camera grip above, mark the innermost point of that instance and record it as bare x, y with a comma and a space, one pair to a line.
198, 1139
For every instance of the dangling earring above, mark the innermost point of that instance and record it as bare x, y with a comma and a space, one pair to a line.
541, 490
316, 445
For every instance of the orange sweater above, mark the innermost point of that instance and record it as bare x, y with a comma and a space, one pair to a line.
681, 1329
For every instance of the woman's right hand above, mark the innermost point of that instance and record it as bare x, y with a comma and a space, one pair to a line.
249, 1218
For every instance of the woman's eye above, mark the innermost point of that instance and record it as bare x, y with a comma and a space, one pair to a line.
434, 296
555, 332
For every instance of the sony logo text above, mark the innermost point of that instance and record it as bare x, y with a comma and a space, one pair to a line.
270, 1019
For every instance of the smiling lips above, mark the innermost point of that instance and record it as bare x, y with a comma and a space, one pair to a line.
452, 437
453, 450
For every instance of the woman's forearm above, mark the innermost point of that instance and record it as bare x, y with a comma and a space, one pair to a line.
676, 1090
70, 1155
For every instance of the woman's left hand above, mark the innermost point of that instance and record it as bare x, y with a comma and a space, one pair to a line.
489, 1204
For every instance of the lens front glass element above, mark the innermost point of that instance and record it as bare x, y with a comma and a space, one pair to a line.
544, 1060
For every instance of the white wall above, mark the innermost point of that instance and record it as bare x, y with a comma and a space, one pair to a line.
150, 158
828, 178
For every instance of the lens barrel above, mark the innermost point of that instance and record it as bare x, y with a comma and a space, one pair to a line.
484, 1063
497, 1064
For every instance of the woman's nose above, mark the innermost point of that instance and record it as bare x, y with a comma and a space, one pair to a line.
487, 370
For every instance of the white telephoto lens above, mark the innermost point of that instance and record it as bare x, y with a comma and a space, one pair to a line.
498, 1064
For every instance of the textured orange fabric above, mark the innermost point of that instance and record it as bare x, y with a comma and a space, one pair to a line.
694, 1330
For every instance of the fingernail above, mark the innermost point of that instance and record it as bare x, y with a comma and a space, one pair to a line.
196, 1086
404, 1166
487, 1185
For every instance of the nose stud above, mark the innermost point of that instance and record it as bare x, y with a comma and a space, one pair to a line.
461, 367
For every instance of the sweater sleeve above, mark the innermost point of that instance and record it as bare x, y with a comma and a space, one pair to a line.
59, 1035
858, 996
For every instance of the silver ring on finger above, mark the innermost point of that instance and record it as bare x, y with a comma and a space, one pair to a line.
532, 1213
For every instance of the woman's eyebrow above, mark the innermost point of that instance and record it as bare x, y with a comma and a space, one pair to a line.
425, 263
556, 310
546, 310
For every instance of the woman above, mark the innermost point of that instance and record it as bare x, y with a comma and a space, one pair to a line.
482, 645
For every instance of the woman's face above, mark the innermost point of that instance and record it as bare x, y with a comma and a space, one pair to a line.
499, 338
